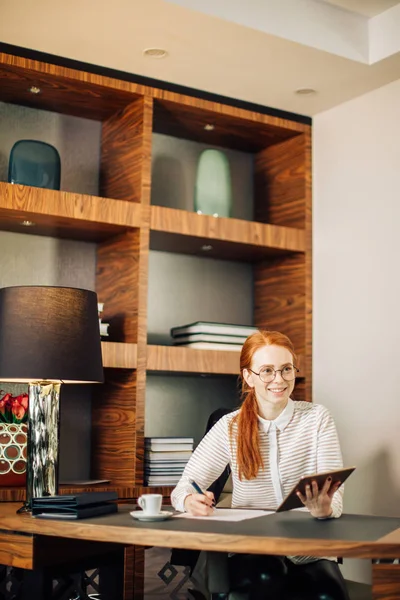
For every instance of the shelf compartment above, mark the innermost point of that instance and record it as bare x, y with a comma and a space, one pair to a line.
189, 360
117, 355
175, 230
62, 90
233, 127
65, 214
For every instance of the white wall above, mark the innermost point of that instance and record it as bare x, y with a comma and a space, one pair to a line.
357, 291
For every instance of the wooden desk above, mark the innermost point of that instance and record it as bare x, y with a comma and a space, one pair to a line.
25, 541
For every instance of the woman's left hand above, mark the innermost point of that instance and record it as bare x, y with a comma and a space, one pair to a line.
319, 502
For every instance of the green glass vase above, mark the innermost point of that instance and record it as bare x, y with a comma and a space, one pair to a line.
213, 189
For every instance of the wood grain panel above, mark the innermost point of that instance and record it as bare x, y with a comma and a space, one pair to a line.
233, 128
119, 356
279, 298
280, 183
16, 550
143, 276
181, 231
138, 567
299, 392
386, 582
129, 573
114, 428
125, 173
142, 349
64, 214
117, 285
125, 151
113, 407
189, 360
283, 289
125, 492
308, 266
62, 90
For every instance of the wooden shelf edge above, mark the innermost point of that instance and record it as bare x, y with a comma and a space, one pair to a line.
125, 493
182, 222
115, 86
118, 355
188, 360
67, 207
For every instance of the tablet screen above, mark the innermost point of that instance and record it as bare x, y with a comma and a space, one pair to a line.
293, 501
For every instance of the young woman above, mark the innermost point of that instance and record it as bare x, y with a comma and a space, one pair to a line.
269, 444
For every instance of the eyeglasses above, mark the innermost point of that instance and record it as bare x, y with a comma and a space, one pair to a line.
268, 374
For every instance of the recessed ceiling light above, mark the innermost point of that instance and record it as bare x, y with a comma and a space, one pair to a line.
34, 89
209, 127
28, 223
206, 247
155, 52
305, 91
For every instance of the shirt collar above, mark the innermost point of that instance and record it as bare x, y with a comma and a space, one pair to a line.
282, 421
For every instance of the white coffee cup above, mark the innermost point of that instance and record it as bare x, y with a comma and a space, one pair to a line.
150, 503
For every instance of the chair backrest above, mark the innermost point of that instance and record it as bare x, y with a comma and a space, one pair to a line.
225, 498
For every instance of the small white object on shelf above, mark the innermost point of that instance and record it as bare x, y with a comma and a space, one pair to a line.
212, 346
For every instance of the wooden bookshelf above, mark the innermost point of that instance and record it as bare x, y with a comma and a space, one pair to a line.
125, 226
117, 355
174, 230
64, 214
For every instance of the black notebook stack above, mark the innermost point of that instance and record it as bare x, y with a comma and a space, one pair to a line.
76, 506
205, 335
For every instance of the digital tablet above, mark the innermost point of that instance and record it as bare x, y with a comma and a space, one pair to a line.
293, 501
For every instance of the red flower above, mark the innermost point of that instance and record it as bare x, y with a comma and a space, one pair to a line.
3, 406
23, 400
17, 410
13, 410
7, 399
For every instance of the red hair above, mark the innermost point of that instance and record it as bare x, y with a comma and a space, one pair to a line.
249, 457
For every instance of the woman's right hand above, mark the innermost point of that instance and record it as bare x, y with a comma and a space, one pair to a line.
200, 505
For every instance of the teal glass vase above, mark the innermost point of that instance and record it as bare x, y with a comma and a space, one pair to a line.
34, 163
213, 189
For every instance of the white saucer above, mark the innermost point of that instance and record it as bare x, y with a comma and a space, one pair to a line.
141, 516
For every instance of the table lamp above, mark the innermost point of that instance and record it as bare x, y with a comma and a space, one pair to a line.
48, 336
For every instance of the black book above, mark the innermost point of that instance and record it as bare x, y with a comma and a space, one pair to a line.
76, 506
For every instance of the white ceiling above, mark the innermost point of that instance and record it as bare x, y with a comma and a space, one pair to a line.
213, 46
369, 8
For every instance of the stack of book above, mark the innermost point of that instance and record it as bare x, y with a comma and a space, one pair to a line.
165, 459
211, 336
103, 326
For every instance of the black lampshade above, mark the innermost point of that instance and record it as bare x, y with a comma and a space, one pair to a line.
49, 333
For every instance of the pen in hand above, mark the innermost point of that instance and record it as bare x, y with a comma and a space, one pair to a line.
198, 489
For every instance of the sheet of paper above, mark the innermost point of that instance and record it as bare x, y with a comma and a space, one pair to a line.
229, 514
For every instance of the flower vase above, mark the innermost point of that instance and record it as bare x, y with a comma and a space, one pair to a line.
213, 190
13, 453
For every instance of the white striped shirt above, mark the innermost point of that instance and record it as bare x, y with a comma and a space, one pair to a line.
301, 441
